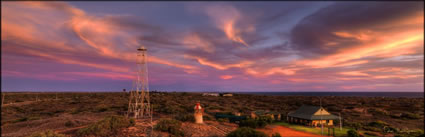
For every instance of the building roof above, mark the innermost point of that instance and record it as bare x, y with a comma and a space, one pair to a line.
312, 113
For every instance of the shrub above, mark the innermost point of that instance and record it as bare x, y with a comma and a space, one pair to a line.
246, 132
106, 127
352, 133
47, 133
69, 123
410, 115
132, 122
266, 119
252, 123
102, 109
389, 129
376, 111
368, 128
169, 125
185, 117
223, 120
372, 134
276, 135
411, 133
207, 117
255, 123
378, 123
20, 120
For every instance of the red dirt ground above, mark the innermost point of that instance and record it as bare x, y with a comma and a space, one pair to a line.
286, 132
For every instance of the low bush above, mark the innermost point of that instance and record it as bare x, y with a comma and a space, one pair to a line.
252, 123
20, 120
185, 117
376, 111
70, 123
410, 115
255, 123
410, 133
169, 125
246, 132
369, 128
372, 134
106, 127
276, 135
47, 133
352, 133
378, 123
207, 117
223, 120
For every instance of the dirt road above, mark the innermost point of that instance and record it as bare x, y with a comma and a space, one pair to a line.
286, 132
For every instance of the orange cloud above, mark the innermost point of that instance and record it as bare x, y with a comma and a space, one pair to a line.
77, 62
354, 73
270, 71
109, 75
193, 41
393, 44
225, 18
226, 77
205, 62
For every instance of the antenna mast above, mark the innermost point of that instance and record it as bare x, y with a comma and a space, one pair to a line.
139, 102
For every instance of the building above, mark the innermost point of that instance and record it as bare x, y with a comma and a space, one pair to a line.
226, 94
211, 94
311, 116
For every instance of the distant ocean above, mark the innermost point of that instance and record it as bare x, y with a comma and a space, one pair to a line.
357, 94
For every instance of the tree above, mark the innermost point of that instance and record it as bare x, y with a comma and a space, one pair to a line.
246, 132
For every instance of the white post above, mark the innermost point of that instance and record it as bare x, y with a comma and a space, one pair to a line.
340, 122
321, 115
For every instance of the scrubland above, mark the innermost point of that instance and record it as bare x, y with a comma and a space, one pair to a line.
97, 114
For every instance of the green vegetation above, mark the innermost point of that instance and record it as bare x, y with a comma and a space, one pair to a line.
253, 123
185, 117
318, 131
70, 123
276, 135
408, 115
246, 132
106, 127
410, 133
169, 125
352, 133
378, 123
48, 133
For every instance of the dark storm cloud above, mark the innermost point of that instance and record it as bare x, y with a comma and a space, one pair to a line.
312, 33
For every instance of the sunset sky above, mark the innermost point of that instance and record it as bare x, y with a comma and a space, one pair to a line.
213, 46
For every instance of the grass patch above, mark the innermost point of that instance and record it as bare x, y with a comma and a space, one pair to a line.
171, 126
106, 127
314, 130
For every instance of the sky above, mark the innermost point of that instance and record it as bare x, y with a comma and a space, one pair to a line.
213, 46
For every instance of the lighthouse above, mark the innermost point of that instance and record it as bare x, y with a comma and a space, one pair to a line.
198, 113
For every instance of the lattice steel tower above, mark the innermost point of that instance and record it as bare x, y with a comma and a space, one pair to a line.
139, 102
